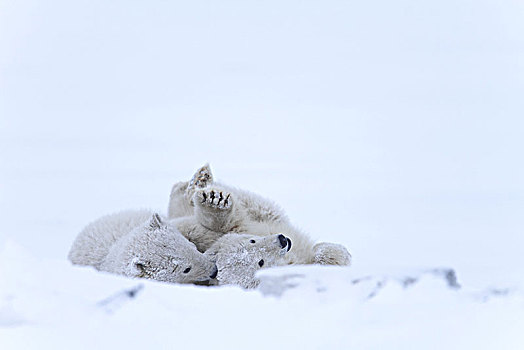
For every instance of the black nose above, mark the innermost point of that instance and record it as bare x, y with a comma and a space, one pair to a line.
214, 274
288, 244
283, 241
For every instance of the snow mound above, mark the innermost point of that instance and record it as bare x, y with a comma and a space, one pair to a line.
52, 304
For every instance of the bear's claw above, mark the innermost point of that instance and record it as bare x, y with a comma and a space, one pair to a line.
215, 199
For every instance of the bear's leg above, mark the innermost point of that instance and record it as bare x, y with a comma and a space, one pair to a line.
214, 208
331, 254
197, 234
179, 205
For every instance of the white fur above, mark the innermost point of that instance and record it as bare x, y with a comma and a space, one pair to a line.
140, 244
238, 257
203, 219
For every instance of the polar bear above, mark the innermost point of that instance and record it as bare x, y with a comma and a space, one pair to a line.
140, 244
204, 210
239, 256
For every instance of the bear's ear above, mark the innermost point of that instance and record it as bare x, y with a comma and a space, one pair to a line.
155, 222
139, 267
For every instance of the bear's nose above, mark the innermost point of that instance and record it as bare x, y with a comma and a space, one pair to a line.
283, 241
214, 274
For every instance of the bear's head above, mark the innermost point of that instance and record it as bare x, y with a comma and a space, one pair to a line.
239, 256
157, 250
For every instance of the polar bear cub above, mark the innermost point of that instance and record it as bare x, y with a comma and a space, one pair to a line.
204, 210
239, 256
140, 244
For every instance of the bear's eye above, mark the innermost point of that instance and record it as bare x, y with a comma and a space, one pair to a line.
261, 263
187, 270
252, 241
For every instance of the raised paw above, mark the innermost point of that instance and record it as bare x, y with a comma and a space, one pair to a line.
214, 199
202, 178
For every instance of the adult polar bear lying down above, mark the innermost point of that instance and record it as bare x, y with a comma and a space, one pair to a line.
204, 210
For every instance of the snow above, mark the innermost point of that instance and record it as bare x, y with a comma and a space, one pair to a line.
394, 128
299, 306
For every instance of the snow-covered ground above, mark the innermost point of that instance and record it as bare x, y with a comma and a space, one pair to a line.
57, 306
394, 128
